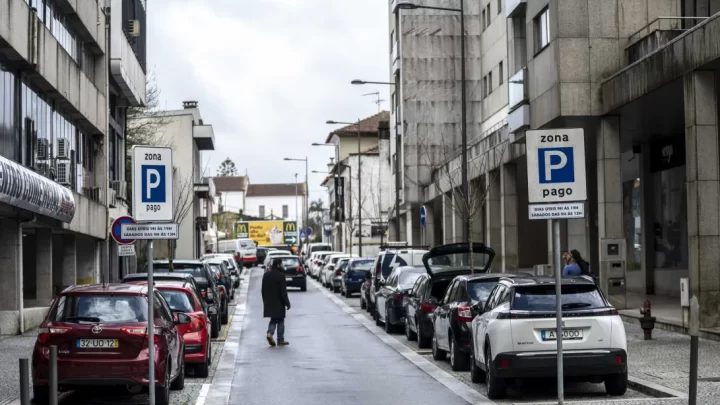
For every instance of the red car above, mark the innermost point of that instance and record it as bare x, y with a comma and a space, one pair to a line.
101, 336
181, 298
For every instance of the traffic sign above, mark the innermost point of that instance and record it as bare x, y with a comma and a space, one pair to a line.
152, 184
149, 231
309, 231
556, 165
126, 250
303, 235
423, 215
115, 230
557, 210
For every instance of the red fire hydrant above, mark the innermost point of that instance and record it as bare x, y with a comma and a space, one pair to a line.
647, 322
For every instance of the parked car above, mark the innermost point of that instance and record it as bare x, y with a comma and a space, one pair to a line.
101, 329
222, 272
390, 299
355, 274
386, 261
262, 253
205, 280
294, 272
320, 263
244, 251
310, 248
182, 299
452, 320
330, 273
442, 264
230, 263
594, 341
178, 277
273, 253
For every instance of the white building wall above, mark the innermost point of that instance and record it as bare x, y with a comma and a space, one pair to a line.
232, 201
275, 204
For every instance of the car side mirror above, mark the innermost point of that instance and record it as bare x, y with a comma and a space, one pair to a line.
182, 318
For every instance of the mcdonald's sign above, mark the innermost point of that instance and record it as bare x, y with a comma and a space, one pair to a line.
242, 230
290, 227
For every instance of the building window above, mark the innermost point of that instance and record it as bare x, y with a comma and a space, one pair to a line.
500, 6
542, 30
9, 146
501, 74
490, 83
286, 212
485, 87
484, 19
261, 211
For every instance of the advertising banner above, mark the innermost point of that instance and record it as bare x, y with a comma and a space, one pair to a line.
268, 233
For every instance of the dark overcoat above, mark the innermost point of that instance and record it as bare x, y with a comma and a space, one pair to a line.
274, 294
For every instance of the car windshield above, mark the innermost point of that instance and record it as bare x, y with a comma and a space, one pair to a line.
362, 265
479, 290
407, 278
101, 308
177, 300
542, 298
454, 260
193, 269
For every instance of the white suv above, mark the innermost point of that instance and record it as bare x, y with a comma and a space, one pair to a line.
594, 343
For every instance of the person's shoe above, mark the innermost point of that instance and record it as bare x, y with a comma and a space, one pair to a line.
283, 343
270, 339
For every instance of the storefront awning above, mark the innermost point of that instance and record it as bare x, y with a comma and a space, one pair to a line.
23, 188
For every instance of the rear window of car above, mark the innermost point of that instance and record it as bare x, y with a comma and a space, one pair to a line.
178, 300
321, 248
362, 264
185, 268
480, 290
407, 279
290, 262
76, 308
542, 298
247, 244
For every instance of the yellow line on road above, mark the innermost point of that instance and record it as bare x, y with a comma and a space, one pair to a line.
226, 330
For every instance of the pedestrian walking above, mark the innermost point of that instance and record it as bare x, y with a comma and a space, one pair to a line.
275, 302
571, 267
584, 265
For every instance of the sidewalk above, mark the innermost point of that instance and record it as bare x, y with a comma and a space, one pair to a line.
665, 360
12, 348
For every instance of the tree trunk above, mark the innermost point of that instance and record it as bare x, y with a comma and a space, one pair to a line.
470, 247
171, 255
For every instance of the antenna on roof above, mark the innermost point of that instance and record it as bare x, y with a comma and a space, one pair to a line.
378, 101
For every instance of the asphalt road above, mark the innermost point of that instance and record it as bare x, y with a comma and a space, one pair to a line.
332, 358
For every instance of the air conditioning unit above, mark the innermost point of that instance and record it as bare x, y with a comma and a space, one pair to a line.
42, 149
64, 173
63, 150
134, 28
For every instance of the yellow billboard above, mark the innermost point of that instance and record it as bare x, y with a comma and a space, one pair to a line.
268, 233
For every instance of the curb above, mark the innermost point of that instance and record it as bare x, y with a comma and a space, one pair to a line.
654, 390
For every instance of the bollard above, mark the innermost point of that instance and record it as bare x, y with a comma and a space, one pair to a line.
24, 382
694, 332
53, 380
647, 322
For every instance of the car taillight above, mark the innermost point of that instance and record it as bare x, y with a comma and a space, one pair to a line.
141, 332
315, 262
464, 314
197, 324
300, 269
427, 308
45, 333
398, 297
338, 273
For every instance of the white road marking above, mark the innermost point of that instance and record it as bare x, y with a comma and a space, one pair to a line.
453, 384
203, 394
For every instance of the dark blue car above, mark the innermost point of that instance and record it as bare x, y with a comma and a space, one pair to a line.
356, 272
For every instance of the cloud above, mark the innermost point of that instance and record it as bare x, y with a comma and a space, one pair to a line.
269, 73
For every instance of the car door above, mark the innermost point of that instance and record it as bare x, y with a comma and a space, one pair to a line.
440, 316
480, 324
459, 299
411, 304
165, 329
381, 297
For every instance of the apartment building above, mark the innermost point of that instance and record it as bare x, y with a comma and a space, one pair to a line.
56, 88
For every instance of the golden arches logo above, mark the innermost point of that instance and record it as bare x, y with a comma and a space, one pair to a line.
242, 228
290, 227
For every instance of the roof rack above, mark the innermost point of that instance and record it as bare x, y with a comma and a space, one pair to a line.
405, 246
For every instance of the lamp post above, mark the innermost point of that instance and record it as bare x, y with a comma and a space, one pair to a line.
405, 5
307, 209
296, 196
359, 193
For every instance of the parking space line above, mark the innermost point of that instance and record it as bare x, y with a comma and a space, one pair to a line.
453, 384
203, 394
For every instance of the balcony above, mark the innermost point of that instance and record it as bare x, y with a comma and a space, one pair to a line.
519, 118
517, 89
204, 137
657, 34
205, 190
124, 65
514, 7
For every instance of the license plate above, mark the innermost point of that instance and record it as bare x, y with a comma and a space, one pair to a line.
567, 334
97, 344
288, 278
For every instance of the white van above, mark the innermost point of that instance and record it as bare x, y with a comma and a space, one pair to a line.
243, 250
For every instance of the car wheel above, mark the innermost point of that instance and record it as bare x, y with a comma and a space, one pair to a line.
41, 395
388, 325
476, 373
209, 349
376, 315
179, 381
495, 386
214, 327
409, 334
363, 305
225, 314
203, 370
162, 392
423, 341
458, 359
303, 287
437, 353
616, 384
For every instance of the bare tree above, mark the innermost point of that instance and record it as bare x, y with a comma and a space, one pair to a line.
375, 210
446, 180
183, 204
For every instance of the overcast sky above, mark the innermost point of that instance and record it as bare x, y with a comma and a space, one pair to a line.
268, 73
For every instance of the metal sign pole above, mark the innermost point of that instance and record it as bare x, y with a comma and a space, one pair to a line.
558, 308
151, 324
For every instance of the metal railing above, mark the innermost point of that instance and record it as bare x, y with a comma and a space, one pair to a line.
663, 24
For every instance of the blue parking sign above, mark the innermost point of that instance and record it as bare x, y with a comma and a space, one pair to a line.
153, 184
556, 165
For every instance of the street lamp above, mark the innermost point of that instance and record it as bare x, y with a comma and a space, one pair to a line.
336, 146
361, 82
359, 192
307, 196
406, 5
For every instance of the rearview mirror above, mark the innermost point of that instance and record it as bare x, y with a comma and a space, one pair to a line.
182, 318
